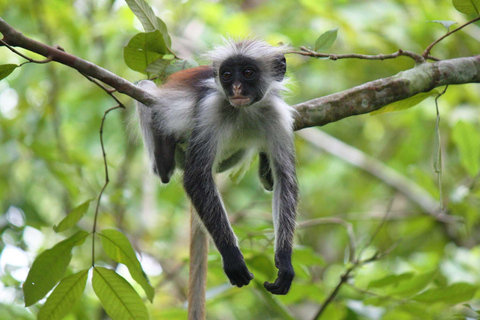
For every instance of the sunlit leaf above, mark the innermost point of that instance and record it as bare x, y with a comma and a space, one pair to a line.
6, 69
412, 285
446, 23
467, 6
467, 139
144, 49
392, 279
326, 40
406, 103
49, 267
118, 248
456, 293
149, 20
73, 217
118, 298
63, 298
144, 13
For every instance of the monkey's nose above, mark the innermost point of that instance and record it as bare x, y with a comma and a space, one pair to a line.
237, 89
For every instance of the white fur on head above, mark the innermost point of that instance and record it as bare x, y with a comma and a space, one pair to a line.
259, 50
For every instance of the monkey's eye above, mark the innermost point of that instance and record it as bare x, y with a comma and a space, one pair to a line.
227, 75
248, 73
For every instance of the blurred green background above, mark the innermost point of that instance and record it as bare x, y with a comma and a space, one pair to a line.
51, 161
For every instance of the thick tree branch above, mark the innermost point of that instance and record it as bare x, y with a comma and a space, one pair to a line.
373, 95
16, 39
317, 112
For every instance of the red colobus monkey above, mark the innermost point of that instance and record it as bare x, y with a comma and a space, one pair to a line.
206, 119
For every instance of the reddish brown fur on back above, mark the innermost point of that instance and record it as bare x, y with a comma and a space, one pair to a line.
189, 77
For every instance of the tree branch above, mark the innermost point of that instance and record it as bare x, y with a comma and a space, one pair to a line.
373, 95
362, 99
16, 39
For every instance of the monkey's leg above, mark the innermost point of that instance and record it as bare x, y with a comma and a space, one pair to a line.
265, 172
200, 187
285, 200
164, 155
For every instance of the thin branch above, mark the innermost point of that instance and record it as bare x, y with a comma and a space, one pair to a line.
346, 276
107, 180
107, 90
426, 53
332, 56
16, 39
378, 169
24, 56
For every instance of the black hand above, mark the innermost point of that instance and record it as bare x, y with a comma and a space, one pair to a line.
235, 267
282, 283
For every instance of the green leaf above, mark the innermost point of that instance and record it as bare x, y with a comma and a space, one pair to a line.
63, 298
467, 139
392, 279
49, 267
446, 23
14, 312
149, 20
406, 103
118, 298
144, 13
73, 217
412, 285
158, 67
467, 6
456, 293
6, 69
118, 248
144, 49
326, 40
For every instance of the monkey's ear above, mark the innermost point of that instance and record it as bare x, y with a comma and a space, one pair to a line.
279, 68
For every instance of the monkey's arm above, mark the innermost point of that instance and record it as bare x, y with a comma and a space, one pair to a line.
164, 155
200, 187
265, 172
285, 198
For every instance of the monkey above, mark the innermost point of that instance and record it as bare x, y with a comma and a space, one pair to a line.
206, 120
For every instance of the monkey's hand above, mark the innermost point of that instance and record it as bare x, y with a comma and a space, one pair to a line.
235, 267
284, 277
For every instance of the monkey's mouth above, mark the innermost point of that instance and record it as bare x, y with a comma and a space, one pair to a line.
239, 101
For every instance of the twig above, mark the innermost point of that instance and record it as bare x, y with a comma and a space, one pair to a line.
107, 90
426, 53
24, 56
332, 56
107, 180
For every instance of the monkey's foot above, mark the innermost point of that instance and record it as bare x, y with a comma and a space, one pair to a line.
235, 268
282, 283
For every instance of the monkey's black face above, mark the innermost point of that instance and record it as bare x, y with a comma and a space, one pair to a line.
240, 78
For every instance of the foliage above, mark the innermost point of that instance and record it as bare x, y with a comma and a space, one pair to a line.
51, 169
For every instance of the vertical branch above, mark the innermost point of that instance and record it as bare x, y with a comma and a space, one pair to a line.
107, 180
198, 269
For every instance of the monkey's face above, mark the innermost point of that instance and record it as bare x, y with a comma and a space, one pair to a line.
240, 78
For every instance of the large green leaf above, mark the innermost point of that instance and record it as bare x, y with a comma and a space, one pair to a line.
144, 49
467, 6
6, 69
49, 267
412, 285
117, 296
144, 13
456, 293
118, 248
326, 39
467, 139
149, 20
73, 217
63, 298
406, 103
